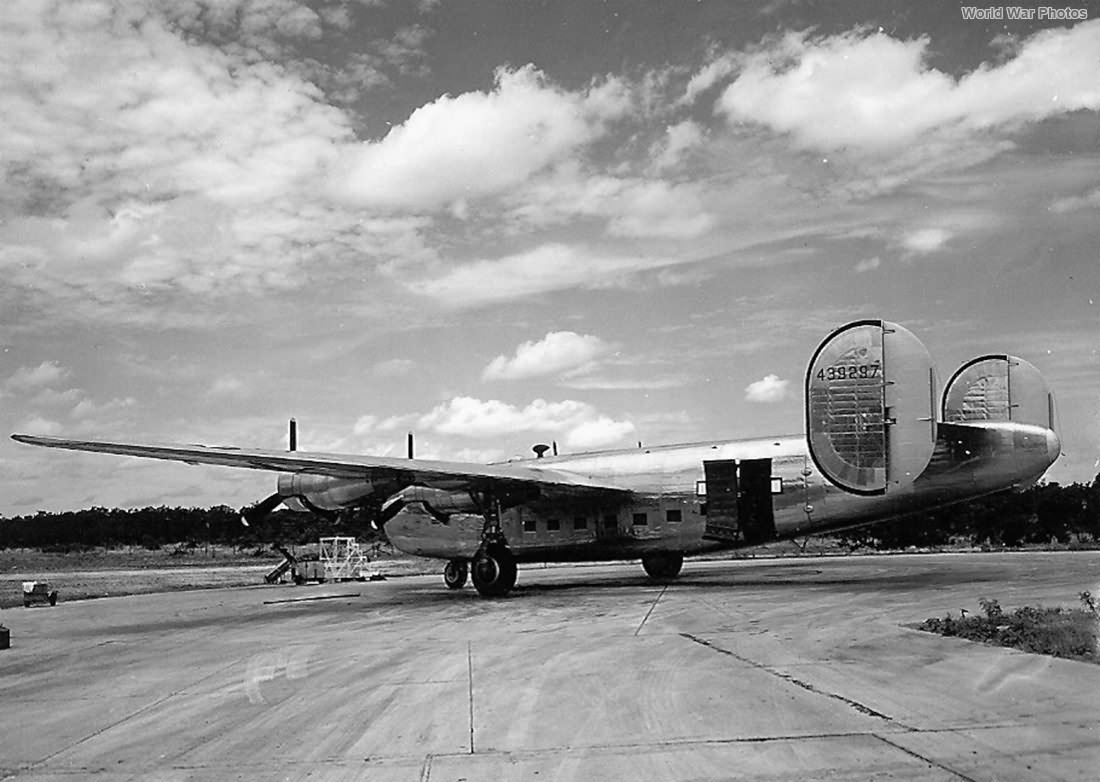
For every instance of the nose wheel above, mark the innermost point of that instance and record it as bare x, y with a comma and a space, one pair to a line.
454, 574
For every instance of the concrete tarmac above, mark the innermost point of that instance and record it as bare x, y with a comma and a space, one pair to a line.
752, 669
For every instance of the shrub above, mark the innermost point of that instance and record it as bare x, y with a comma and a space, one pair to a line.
1059, 632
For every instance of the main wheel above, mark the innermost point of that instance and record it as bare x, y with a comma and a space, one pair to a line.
454, 574
663, 566
494, 571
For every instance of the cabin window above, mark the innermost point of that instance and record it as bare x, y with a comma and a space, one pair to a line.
674, 515
640, 520
553, 525
777, 485
580, 522
529, 525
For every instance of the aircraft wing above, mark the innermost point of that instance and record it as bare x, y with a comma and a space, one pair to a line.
334, 465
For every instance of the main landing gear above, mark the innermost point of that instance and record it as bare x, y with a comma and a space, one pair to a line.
663, 566
494, 571
493, 567
454, 574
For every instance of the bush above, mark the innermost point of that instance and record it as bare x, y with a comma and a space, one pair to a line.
1059, 632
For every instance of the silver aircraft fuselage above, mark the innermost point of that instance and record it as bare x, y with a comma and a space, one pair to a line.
667, 511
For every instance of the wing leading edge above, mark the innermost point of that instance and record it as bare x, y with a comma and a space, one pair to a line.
332, 465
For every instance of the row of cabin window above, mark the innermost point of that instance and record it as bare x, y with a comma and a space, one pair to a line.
611, 522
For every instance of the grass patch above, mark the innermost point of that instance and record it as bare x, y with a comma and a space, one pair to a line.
1059, 632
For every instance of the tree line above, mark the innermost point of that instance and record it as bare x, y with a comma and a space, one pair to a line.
1045, 513
156, 527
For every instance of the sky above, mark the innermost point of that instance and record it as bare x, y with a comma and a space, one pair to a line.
496, 223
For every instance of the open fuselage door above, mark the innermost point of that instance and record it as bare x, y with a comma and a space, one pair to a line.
739, 500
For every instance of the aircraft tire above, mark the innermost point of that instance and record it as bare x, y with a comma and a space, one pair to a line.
455, 573
494, 572
663, 566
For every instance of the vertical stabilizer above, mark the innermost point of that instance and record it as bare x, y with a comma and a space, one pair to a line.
870, 407
998, 388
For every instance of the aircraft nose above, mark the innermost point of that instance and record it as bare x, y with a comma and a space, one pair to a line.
1054, 446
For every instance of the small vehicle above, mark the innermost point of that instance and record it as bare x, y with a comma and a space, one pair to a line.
38, 591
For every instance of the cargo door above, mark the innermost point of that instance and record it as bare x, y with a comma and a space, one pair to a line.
722, 500
754, 502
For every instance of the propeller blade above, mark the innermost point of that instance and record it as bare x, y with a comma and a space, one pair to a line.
258, 512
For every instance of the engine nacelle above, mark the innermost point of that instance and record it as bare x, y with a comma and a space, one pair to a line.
323, 492
440, 501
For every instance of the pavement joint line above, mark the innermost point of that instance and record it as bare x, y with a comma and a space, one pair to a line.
655, 746
470, 679
650, 611
924, 758
862, 708
131, 715
309, 599
528, 754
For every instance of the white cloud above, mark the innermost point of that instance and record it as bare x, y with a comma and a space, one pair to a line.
42, 426
365, 424
87, 407
868, 264
631, 206
28, 378
163, 162
253, 23
678, 141
370, 424
874, 91
549, 267
708, 76
474, 144
767, 390
925, 240
151, 112
577, 424
658, 209
1073, 203
556, 353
